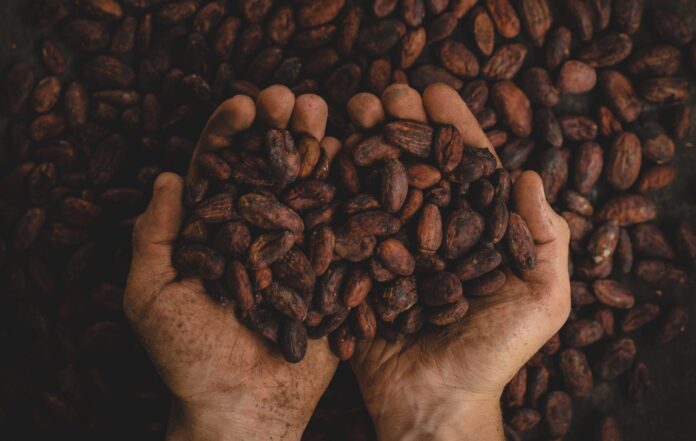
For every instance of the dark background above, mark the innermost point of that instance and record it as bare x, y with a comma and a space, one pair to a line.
668, 413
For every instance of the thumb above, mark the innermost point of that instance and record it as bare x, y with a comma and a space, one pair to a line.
155, 232
549, 230
530, 202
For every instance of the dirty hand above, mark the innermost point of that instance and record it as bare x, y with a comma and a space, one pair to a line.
446, 384
227, 382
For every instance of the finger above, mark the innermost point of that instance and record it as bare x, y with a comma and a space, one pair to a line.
231, 117
351, 141
550, 231
444, 106
400, 101
331, 146
365, 111
156, 231
274, 106
530, 203
309, 116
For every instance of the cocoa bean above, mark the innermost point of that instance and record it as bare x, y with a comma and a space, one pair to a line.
395, 257
629, 14
483, 30
577, 375
285, 300
216, 209
198, 261
613, 294
429, 233
525, 419
427, 74
657, 60
536, 83
52, 56
581, 333
581, 18
462, 230
505, 62
486, 284
673, 324
456, 58
448, 314
639, 382
295, 270
516, 389
357, 287
576, 77
266, 213
665, 90
638, 316
440, 289
354, 247
365, 321
381, 36
239, 283
504, 16
321, 248
558, 413
659, 273
627, 209
623, 161
671, 27
397, 297
609, 430
578, 128
514, 105
607, 51
373, 223
537, 19
616, 359
558, 47
649, 241
327, 296
293, 340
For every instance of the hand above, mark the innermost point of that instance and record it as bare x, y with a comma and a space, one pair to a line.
446, 384
227, 382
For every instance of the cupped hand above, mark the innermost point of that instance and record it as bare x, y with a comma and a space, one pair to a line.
446, 383
227, 382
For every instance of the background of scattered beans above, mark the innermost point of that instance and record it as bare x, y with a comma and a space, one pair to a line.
72, 367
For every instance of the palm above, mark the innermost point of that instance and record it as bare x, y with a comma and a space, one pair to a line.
500, 332
202, 351
478, 355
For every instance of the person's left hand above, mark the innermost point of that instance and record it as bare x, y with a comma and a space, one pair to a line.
227, 382
445, 384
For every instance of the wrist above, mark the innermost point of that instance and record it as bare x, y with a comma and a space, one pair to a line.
474, 418
229, 422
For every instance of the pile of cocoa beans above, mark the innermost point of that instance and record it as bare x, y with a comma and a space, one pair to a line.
593, 94
381, 245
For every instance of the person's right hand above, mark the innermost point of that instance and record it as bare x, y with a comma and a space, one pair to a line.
447, 383
227, 382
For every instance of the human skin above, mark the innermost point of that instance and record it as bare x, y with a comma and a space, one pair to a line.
445, 384
229, 383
